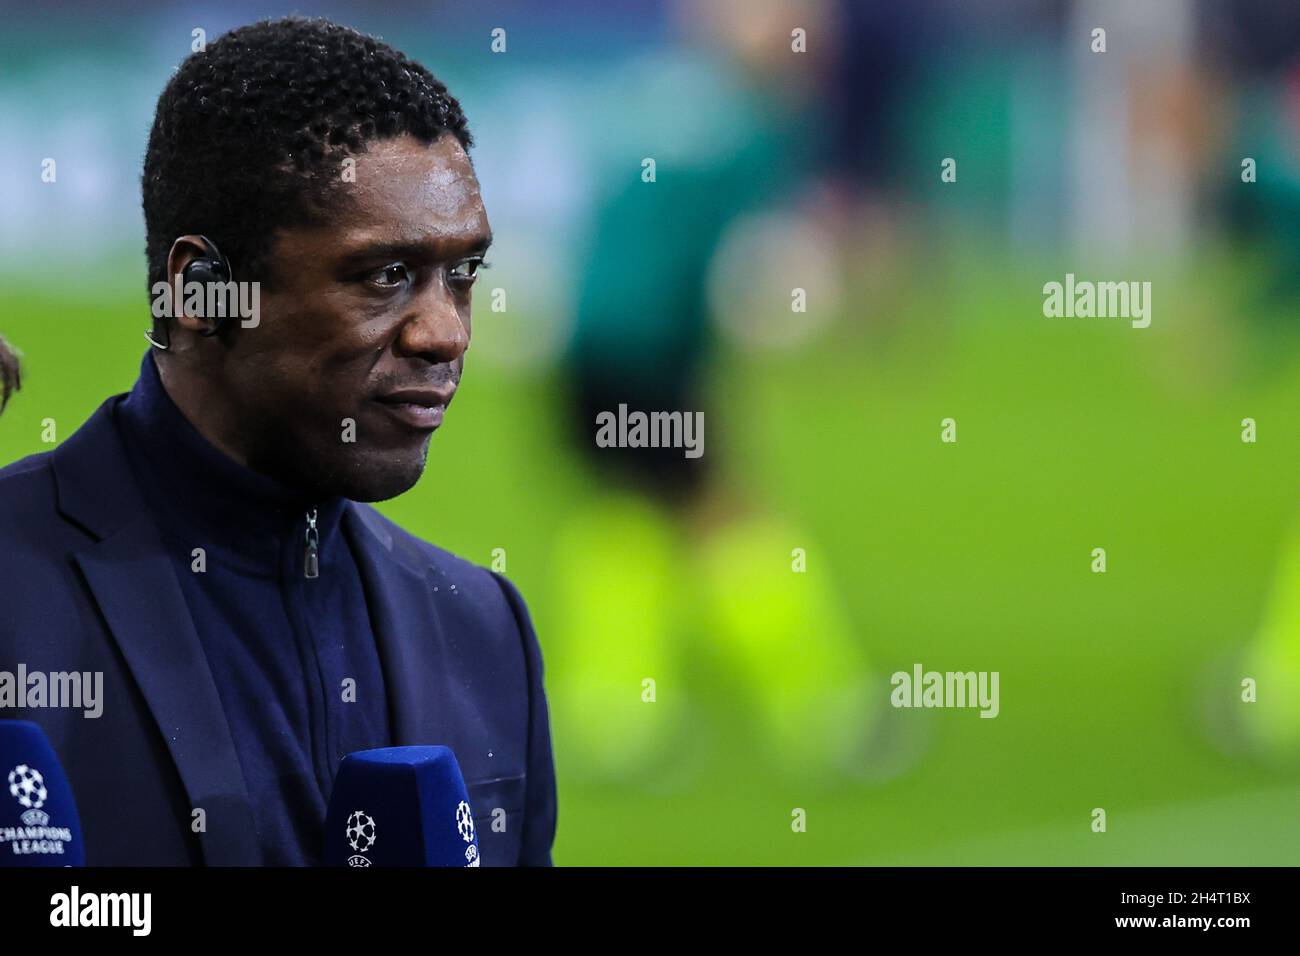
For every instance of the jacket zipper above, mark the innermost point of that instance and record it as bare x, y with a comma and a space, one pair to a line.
311, 556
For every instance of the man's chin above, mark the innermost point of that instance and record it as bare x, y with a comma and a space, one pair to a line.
383, 475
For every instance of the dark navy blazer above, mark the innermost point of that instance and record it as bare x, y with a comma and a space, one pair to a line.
85, 585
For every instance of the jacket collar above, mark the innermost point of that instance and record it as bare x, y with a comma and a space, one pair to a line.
243, 514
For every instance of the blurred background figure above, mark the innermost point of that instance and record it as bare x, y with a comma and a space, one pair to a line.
642, 338
719, 632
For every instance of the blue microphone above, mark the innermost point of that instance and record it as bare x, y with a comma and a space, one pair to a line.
400, 806
38, 817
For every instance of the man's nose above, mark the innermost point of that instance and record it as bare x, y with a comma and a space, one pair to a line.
433, 327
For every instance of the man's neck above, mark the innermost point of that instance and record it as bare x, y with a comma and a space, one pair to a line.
202, 405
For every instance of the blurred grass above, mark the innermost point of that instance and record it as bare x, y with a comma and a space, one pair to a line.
975, 556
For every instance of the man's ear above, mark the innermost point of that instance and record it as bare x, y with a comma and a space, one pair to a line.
184, 251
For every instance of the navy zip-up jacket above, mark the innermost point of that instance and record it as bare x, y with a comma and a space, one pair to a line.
224, 668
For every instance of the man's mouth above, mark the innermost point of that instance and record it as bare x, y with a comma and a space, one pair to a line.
418, 408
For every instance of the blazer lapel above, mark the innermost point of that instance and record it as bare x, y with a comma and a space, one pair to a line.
135, 586
407, 630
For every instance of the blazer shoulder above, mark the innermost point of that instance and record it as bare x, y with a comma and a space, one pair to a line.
14, 474
485, 590
27, 490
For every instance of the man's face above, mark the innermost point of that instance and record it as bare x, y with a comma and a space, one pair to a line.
364, 326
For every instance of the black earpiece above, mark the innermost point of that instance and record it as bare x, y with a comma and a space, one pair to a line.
211, 267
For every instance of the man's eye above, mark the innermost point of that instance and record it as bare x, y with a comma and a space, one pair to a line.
464, 273
389, 277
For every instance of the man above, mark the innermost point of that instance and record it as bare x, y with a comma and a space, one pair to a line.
199, 540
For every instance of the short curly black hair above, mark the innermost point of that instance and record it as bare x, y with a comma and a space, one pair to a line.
250, 134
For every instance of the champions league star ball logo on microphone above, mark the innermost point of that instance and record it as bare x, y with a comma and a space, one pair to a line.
35, 836
465, 822
361, 836
465, 827
38, 818
27, 786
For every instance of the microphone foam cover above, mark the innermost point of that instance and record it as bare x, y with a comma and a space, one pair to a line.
38, 817
400, 806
